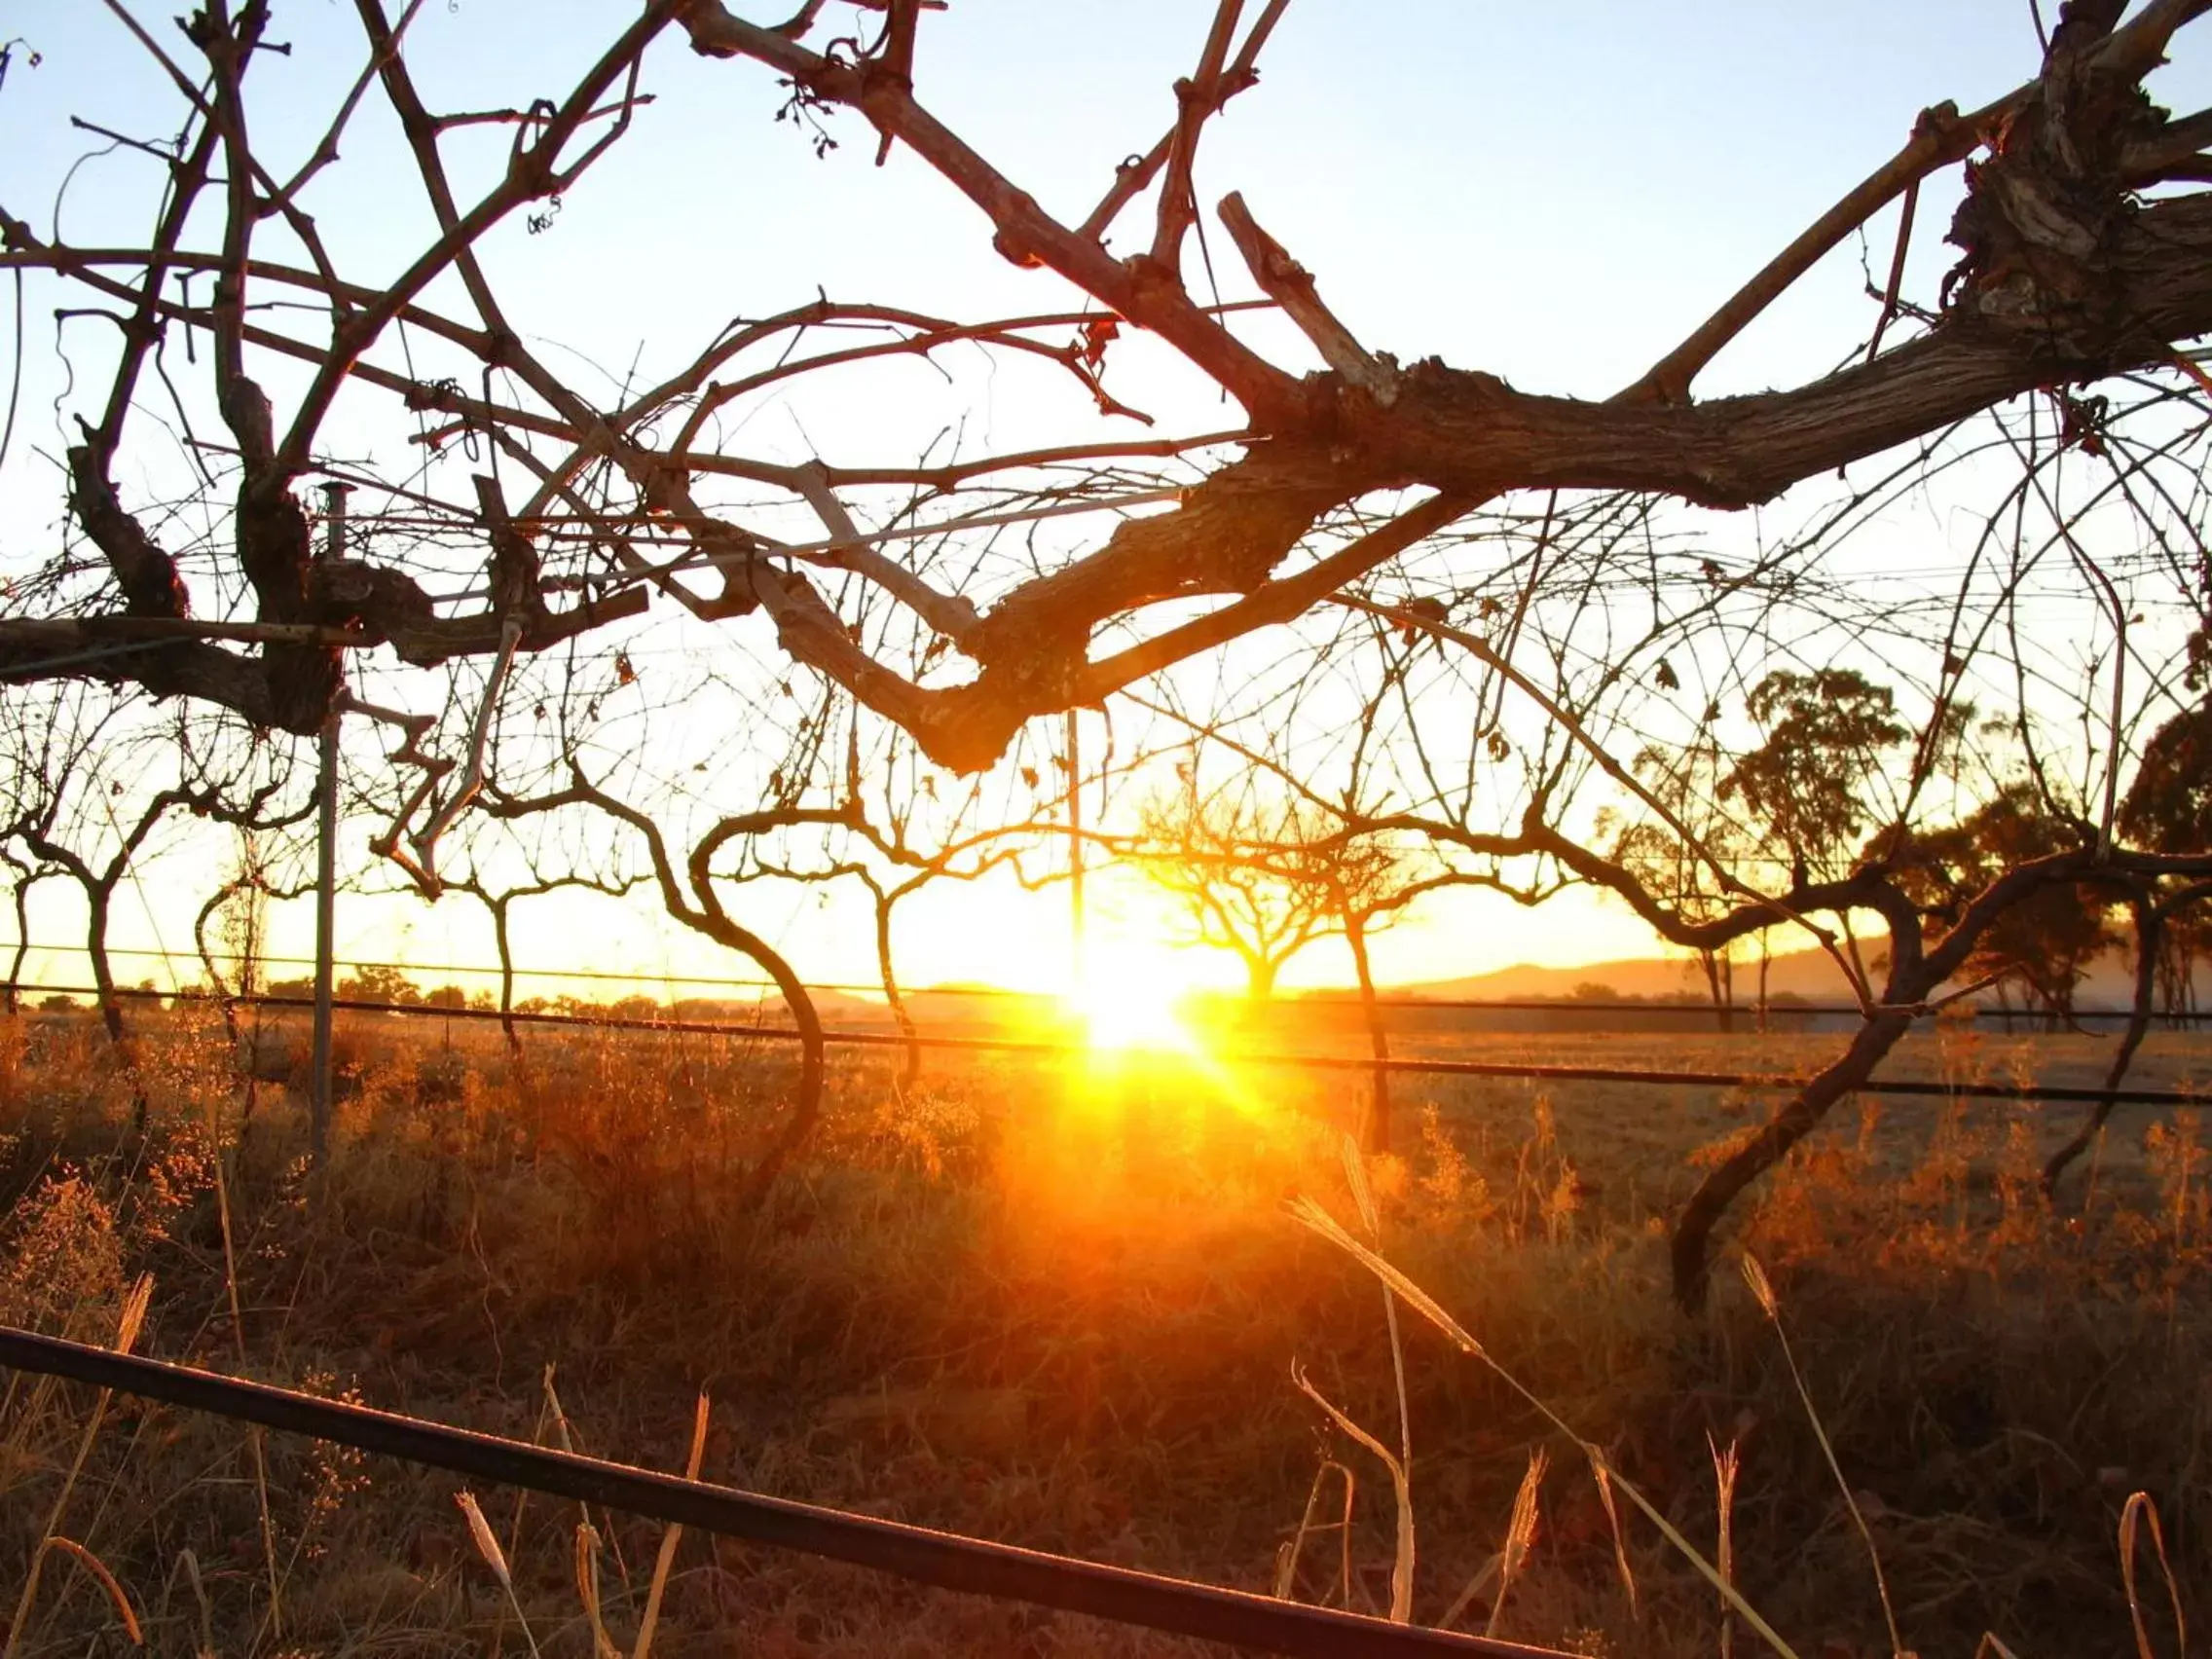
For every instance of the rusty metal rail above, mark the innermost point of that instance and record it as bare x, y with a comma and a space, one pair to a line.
943, 1560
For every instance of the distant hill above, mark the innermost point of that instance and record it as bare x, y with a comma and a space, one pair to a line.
1809, 974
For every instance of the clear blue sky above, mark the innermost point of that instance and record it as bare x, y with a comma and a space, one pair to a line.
1554, 192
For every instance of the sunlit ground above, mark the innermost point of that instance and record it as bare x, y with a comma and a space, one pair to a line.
1071, 1326
1152, 1077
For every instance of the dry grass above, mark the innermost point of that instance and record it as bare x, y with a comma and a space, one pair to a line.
1062, 1310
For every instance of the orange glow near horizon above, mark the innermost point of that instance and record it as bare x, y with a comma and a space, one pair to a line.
1132, 996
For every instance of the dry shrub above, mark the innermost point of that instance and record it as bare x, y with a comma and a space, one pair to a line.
64, 1259
1059, 1307
15, 1045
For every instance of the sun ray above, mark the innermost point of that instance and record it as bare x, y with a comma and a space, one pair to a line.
1127, 1002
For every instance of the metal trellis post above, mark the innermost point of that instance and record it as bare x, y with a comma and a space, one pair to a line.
1076, 965
326, 863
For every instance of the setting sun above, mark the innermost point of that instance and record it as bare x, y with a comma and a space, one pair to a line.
1132, 998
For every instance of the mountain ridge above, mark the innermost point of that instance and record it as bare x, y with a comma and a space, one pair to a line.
1809, 974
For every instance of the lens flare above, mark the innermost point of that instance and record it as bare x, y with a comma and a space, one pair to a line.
1133, 998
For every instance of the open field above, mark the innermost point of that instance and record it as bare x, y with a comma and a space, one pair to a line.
1060, 1304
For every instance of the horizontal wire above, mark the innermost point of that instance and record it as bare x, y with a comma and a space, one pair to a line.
16, 671
1314, 994
1061, 1047
903, 533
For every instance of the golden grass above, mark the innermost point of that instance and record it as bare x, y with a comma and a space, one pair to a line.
1064, 1310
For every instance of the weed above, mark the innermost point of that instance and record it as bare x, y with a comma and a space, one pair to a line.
1057, 1307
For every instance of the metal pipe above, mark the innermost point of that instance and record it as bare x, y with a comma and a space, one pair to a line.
945, 1561
333, 496
1078, 970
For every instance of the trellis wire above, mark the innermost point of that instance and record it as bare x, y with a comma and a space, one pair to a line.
1322, 995
1050, 1046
